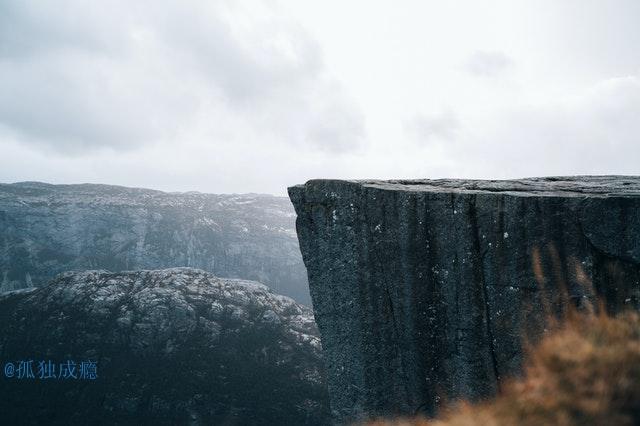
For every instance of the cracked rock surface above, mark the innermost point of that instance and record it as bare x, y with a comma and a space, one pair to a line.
48, 229
174, 346
423, 289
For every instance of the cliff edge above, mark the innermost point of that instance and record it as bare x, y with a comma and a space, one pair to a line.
422, 289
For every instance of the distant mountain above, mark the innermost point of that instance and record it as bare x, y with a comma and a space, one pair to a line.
47, 229
175, 346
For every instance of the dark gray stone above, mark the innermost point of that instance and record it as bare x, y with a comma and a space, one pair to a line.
423, 289
48, 229
175, 346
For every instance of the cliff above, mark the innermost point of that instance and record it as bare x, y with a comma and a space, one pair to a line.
48, 229
422, 290
174, 346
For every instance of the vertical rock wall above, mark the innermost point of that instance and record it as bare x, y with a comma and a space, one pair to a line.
423, 289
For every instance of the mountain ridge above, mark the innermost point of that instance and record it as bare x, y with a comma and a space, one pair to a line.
46, 229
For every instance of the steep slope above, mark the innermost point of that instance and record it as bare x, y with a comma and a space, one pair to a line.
175, 346
47, 229
422, 289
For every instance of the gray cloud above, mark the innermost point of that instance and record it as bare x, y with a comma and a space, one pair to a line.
244, 96
31, 28
77, 76
435, 127
488, 63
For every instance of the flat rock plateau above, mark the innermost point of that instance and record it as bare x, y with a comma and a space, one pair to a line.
423, 289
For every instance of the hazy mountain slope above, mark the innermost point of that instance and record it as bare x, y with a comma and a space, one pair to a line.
47, 229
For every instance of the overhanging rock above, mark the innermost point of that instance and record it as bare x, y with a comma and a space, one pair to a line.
422, 289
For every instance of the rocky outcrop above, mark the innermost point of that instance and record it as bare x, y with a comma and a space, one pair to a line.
48, 229
175, 346
423, 289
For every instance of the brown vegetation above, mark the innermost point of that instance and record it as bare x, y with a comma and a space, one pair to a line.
586, 371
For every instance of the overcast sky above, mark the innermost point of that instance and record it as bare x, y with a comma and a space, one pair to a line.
242, 96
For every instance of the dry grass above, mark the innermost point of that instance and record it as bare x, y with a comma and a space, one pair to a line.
585, 372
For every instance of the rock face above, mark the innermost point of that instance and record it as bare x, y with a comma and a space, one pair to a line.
48, 229
423, 289
175, 346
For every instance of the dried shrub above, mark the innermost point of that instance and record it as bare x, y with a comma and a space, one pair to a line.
585, 371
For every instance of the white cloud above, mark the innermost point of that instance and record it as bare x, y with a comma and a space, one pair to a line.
593, 132
488, 64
